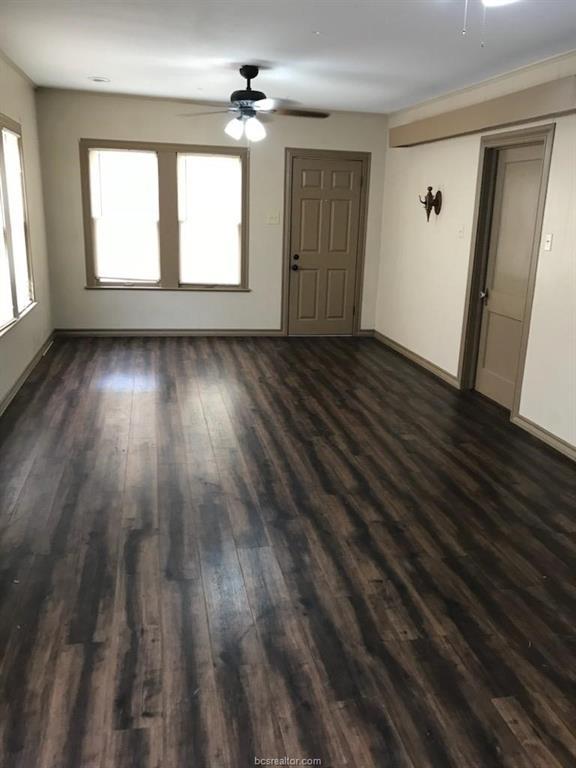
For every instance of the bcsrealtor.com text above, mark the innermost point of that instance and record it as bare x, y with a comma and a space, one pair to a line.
287, 761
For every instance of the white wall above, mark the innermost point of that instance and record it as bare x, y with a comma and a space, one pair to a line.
424, 267
65, 117
20, 343
549, 386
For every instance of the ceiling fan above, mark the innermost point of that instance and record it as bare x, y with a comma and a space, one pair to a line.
247, 103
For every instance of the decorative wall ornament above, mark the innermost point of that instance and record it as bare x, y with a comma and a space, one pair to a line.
432, 203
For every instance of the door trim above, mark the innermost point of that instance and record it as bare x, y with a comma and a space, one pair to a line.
364, 158
489, 148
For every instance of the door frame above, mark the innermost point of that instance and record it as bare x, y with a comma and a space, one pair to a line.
364, 158
489, 148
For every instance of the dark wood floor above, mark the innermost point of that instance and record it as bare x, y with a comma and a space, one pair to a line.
220, 549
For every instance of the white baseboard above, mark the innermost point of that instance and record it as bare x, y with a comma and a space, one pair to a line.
62, 332
547, 437
421, 361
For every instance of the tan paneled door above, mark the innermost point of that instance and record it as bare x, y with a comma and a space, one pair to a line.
512, 240
324, 229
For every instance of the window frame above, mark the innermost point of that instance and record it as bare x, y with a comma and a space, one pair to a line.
168, 224
14, 127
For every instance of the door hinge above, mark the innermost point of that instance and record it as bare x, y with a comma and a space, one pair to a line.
353, 311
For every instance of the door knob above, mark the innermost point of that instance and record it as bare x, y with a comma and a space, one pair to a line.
296, 256
294, 267
484, 295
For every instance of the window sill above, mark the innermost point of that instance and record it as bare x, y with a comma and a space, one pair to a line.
16, 320
136, 287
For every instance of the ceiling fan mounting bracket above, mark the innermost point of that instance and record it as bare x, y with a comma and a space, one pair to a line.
249, 71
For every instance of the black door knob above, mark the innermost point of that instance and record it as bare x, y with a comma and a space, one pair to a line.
296, 256
294, 267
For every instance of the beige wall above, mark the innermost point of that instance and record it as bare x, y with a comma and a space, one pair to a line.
20, 343
66, 117
549, 387
424, 267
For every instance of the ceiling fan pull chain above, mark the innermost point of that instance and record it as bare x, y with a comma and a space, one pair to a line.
465, 27
484, 23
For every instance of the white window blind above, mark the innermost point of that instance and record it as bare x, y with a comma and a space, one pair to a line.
210, 219
125, 213
16, 293
6, 304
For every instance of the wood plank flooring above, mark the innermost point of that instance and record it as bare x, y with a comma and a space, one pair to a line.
217, 550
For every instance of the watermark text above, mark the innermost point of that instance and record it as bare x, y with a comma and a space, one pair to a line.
287, 761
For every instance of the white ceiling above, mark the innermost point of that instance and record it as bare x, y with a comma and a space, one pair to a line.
370, 55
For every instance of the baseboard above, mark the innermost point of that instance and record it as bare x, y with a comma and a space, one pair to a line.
520, 421
421, 361
543, 434
62, 332
25, 373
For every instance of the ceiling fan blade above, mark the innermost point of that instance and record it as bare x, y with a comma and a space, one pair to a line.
201, 114
265, 105
302, 113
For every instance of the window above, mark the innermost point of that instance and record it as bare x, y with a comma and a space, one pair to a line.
210, 216
164, 216
7, 309
16, 293
125, 213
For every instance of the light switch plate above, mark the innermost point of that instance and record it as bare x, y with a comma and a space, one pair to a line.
548, 242
273, 218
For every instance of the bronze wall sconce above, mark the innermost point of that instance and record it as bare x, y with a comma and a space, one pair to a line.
432, 203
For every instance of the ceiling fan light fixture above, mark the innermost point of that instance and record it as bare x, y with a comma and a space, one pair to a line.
254, 129
235, 128
498, 3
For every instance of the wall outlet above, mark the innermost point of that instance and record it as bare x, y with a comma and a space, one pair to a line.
273, 218
461, 233
548, 241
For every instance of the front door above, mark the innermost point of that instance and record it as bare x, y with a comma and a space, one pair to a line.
324, 232
514, 225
